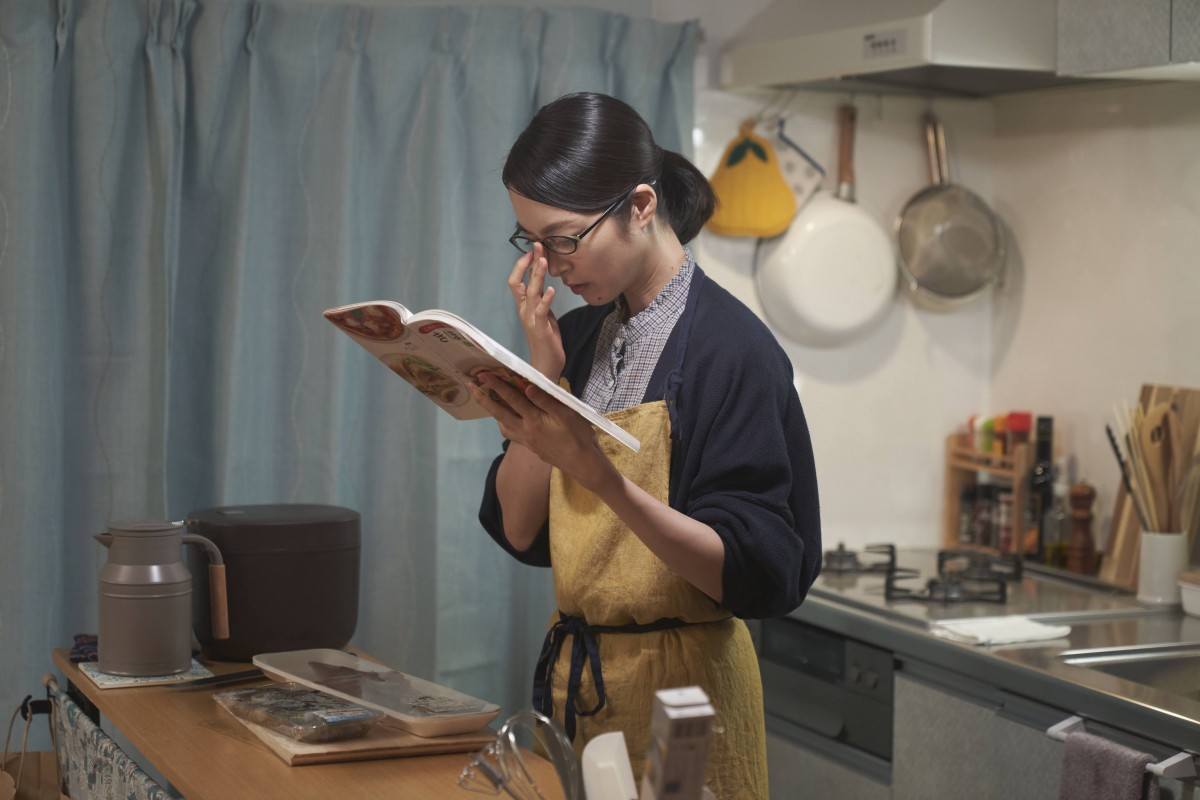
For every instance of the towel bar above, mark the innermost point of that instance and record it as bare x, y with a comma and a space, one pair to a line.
1176, 767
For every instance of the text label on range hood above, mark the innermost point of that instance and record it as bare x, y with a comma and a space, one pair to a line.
961, 47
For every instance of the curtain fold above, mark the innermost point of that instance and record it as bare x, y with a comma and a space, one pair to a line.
184, 187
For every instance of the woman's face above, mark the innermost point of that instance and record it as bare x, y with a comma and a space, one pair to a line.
607, 262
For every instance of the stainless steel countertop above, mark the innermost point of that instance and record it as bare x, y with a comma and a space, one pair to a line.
855, 607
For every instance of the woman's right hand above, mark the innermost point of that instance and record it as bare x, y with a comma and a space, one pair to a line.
533, 300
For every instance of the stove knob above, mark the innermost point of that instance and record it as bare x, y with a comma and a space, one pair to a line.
872, 678
855, 673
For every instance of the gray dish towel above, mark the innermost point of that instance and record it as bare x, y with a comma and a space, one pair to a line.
1095, 768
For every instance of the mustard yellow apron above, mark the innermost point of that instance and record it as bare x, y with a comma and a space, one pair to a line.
628, 626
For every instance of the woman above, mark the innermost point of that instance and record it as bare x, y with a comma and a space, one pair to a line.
659, 554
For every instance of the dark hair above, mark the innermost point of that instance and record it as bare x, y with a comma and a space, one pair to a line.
583, 151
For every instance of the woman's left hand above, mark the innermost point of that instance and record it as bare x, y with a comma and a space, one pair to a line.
555, 433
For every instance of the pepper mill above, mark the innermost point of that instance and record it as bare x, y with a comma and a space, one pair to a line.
1081, 550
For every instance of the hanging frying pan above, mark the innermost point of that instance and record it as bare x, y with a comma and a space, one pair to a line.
951, 245
832, 274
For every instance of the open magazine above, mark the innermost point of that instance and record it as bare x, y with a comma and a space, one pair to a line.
440, 353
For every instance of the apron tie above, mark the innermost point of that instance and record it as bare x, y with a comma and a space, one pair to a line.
585, 650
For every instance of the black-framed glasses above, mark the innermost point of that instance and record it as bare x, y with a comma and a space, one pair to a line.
561, 243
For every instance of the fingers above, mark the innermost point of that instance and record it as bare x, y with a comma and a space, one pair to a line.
542, 400
534, 264
537, 275
502, 396
516, 278
542, 310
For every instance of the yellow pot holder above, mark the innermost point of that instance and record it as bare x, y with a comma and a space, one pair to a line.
753, 198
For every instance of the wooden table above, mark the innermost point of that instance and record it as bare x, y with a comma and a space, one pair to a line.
205, 753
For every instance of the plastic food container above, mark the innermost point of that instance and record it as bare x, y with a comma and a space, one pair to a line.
421, 707
299, 712
1189, 591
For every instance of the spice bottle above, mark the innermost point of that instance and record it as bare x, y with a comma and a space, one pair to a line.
988, 431
999, 434
1041, 481
1004, 520
985, 494
1058, 523
966, 516
1020, 425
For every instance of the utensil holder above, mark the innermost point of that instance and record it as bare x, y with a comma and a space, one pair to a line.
1163, 557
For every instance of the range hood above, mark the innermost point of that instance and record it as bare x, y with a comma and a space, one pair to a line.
973, 48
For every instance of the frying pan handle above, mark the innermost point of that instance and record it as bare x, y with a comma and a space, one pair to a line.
846, 118
935, 145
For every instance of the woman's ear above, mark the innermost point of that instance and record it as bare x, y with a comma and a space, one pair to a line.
644, 206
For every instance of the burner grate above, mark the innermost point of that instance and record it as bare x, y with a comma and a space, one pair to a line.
977, 566
846, 562
949, 588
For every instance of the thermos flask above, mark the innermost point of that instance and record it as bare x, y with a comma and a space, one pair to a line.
146, 598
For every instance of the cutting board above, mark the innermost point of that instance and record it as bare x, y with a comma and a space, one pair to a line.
383, 741
1120, 563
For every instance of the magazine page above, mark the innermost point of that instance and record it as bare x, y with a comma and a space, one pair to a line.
439, 353
438, 366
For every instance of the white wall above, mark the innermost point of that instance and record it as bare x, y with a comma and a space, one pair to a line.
1101, 191
1101, 188
879, 408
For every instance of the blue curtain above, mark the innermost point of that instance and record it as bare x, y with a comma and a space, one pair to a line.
184, 187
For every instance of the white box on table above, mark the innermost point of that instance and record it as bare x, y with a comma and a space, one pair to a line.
680, 730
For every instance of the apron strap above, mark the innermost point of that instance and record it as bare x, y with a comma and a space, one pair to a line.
585, 650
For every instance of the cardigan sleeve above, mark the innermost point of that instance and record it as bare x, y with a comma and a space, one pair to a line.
745, 466
491, 516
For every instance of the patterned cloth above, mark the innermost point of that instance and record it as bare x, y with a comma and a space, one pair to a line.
627, 351
93, 765
86, 648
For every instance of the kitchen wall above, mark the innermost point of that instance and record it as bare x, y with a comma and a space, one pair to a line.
880, 406
1100, 190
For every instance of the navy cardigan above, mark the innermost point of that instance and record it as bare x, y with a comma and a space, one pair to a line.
742, 459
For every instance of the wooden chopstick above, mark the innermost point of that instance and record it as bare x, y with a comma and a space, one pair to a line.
1133, 497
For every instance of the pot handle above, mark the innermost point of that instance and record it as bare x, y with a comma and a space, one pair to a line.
847, 116
935, 145
218, 599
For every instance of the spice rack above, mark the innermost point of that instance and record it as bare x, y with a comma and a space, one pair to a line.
964, 464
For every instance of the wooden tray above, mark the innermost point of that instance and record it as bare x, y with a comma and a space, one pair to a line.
383, 741
1120, 564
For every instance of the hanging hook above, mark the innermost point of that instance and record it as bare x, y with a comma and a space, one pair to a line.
766, 114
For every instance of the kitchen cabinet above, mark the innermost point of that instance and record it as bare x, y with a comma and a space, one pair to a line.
1107, 36
954, 737
957, 737
796, 770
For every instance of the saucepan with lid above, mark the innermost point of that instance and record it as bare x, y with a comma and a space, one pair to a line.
951, 245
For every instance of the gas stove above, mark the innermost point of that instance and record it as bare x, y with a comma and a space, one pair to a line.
927, 585
847, 562
963, 576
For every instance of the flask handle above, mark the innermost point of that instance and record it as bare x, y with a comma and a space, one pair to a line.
218, 598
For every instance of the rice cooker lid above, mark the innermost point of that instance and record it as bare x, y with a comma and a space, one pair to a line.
277, 527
